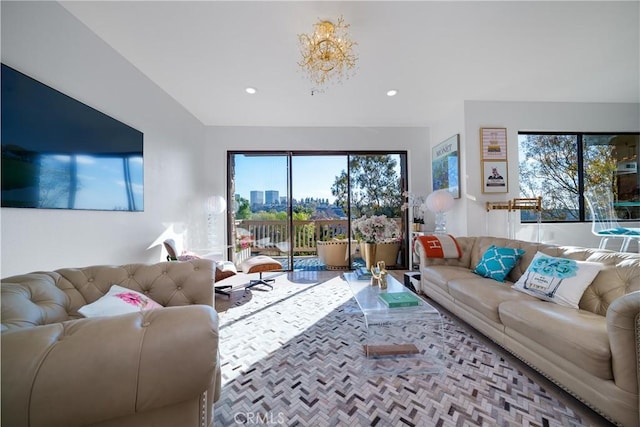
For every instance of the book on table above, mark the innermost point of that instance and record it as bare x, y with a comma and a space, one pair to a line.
363, 274
399, 299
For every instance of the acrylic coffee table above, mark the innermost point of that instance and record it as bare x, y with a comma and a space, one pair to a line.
402, 340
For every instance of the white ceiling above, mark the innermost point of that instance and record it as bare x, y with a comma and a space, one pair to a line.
436, 54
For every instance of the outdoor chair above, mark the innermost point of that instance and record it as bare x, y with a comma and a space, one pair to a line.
605, 220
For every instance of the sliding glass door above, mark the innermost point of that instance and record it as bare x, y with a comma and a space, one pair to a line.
260, 215
298, 207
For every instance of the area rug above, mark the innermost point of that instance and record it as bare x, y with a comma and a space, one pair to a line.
292, 356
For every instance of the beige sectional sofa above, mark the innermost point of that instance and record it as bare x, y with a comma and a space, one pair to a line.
592, 352
158, 367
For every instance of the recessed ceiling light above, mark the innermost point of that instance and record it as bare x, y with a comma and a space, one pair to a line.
392, 92
250, 90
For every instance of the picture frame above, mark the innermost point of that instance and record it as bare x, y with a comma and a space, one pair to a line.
495, 176
493, 143
445, 166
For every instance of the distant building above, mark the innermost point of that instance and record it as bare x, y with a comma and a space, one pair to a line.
283, 200
271, 197
256, 197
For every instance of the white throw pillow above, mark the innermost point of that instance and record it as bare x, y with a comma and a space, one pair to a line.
226, 266
118, 300
558, 280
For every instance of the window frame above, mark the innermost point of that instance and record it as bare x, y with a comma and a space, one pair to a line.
582, 214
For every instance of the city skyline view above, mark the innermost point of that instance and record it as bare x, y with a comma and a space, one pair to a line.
312, 176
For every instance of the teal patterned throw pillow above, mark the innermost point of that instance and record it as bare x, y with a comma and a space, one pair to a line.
497, 262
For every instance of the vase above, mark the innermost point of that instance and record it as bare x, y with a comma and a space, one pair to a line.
374, 252
368, 254
387, 252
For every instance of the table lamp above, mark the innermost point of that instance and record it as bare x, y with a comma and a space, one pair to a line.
439, 202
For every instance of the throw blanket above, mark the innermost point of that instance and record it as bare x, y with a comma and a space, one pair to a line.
440, 246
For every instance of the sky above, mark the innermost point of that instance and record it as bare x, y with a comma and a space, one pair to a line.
312, 175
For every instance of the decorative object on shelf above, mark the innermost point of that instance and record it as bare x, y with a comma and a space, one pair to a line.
445, 166
439, 202
493, 147
327, 54
416, 205
380, 239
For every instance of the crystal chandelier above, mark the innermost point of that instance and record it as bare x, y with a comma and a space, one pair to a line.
327, 53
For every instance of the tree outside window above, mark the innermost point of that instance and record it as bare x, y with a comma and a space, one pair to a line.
558, 166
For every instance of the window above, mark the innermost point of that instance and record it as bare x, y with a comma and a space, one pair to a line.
560, 166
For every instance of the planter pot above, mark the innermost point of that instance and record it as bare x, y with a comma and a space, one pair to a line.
374, 252
334, 254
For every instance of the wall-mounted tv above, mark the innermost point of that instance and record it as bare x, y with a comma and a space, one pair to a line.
58, 153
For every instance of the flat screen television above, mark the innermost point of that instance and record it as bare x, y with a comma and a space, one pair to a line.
58, 153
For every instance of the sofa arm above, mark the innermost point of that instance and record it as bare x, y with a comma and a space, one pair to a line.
85, 371
623, 327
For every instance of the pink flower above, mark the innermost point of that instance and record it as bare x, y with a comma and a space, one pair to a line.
131, 298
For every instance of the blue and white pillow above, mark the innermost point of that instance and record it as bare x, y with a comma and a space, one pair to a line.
558, 280
496, 263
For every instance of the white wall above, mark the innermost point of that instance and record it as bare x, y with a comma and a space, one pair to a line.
533, 116
451, 124
43, 40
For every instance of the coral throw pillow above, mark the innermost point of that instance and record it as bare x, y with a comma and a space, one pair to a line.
496, 263
118, 300
559, 280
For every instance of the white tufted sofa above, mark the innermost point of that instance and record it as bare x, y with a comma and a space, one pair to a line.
158, 367
592, 352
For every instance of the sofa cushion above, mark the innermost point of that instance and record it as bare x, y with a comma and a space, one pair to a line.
576, 335
497, 262
484, 295
441, 275
558, 280
118, 300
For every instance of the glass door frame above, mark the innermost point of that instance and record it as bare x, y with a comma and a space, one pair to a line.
404, 254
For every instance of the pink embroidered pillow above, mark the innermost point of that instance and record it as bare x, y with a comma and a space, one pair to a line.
118, 300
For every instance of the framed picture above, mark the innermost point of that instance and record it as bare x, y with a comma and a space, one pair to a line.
445, 166
494, 177
493, 143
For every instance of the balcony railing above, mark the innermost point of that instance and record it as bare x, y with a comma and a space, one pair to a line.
272, 237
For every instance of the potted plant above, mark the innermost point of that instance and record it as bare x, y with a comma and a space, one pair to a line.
334, 252
379, 237
416, 204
